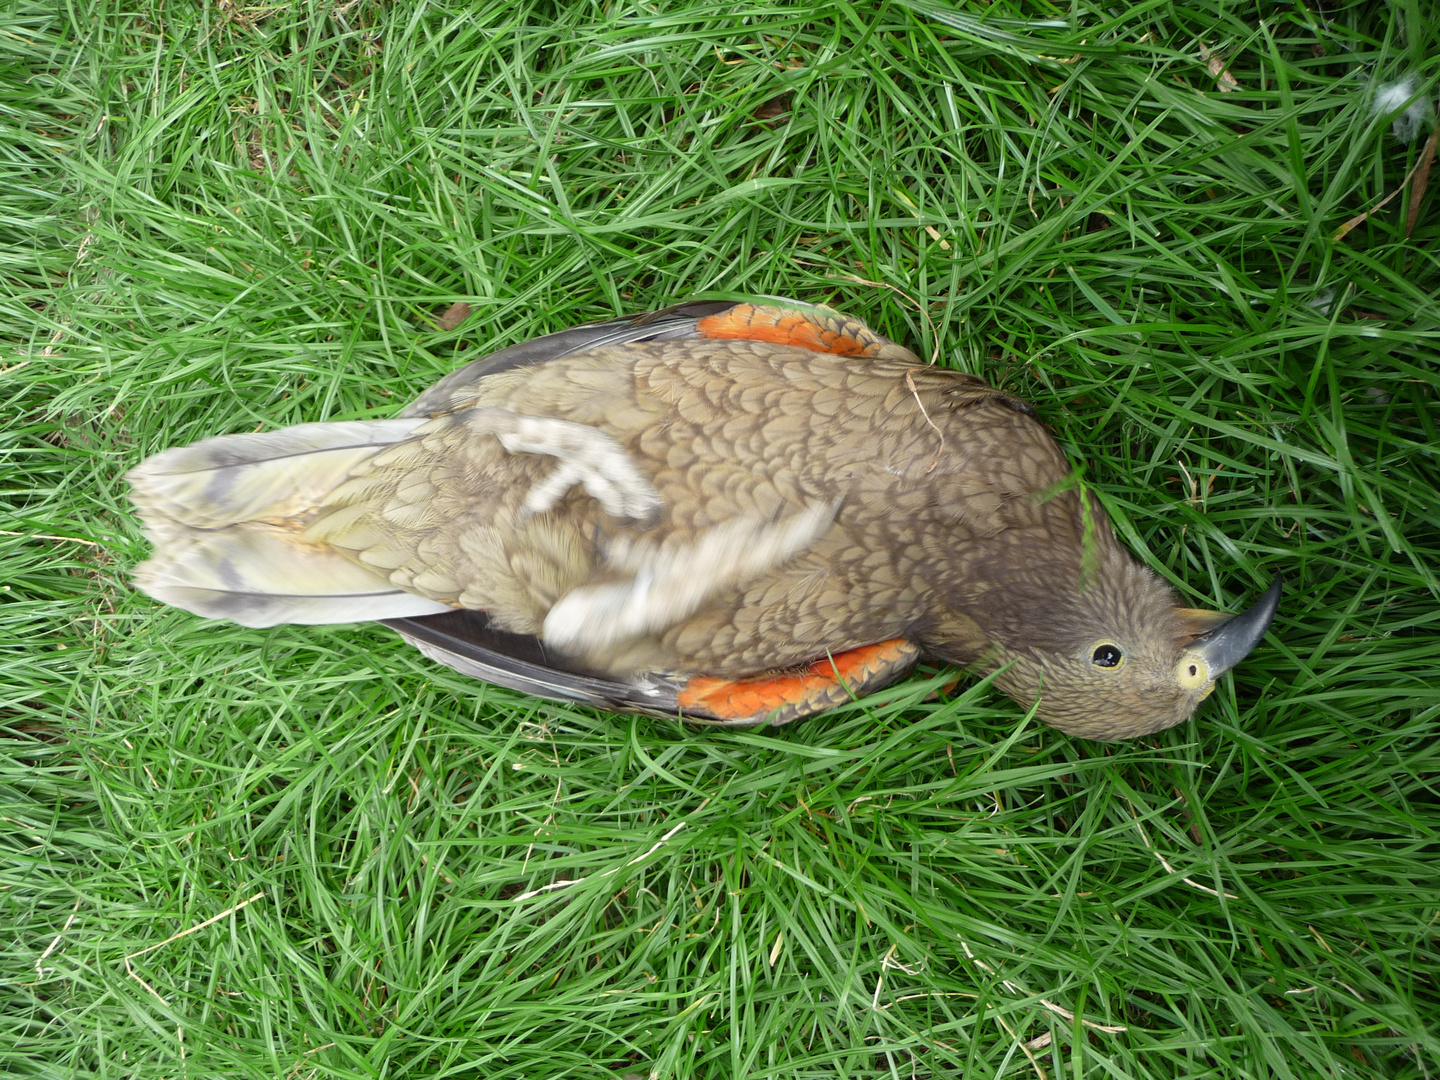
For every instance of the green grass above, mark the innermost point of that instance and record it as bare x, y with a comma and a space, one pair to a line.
308, 852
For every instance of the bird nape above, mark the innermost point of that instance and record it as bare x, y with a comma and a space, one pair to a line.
737, 513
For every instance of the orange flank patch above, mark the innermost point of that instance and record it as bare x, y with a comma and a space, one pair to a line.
783, 326
829, 681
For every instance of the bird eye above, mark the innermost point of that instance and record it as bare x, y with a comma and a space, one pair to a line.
1107, 655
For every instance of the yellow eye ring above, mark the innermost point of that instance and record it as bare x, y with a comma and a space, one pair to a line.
1192, 672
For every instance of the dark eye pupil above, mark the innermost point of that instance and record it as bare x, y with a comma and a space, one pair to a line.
1106, 656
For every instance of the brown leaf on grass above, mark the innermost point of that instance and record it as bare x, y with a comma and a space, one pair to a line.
454, 315
1359, 219
1219, 70
775, 109
1422, 178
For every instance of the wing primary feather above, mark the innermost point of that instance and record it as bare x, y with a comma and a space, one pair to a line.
465, 641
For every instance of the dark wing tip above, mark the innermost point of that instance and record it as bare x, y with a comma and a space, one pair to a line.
467, 642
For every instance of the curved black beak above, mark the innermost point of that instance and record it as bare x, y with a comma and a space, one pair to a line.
1232, 640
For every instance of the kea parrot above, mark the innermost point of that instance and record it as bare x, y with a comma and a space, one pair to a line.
737, 513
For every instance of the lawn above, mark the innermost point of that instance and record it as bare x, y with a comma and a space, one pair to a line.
309, 852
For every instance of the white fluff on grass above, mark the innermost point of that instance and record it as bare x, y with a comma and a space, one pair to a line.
1390, 96
1323, 301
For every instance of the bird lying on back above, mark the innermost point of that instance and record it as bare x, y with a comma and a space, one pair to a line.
738, 513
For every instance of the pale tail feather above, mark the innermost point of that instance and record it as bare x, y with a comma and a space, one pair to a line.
271, 474
215, 512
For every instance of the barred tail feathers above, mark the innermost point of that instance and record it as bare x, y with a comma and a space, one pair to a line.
216, 512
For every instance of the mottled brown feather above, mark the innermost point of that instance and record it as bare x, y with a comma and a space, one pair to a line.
924, 465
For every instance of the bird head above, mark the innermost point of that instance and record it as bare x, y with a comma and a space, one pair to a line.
1121, 658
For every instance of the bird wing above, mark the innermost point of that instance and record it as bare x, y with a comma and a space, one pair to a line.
774, 319
653, 326
469, 642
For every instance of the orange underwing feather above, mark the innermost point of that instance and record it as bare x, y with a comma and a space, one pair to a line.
823, 684
784, 327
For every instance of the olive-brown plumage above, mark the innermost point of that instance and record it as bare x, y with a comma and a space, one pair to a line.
716, 492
